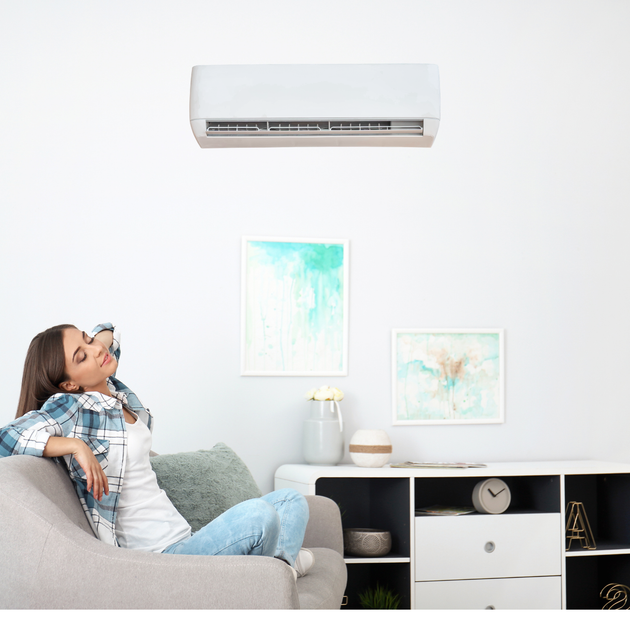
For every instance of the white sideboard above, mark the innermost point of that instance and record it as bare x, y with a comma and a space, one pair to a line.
512, 560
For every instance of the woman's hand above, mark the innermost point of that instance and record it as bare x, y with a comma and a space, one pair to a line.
94, 475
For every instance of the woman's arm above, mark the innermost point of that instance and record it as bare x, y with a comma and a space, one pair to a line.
106, 337
45, 432
95, 477
110, 337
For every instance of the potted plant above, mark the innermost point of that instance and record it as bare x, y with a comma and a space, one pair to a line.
379, 597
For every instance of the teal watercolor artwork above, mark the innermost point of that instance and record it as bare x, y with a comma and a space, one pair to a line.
294, 307
447, 376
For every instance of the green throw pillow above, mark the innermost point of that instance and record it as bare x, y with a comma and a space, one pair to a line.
204, 484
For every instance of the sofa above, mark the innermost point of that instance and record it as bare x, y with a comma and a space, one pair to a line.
50, 558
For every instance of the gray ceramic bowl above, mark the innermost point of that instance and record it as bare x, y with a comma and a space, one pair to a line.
371, 543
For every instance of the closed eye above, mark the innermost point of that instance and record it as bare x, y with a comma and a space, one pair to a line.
87, 340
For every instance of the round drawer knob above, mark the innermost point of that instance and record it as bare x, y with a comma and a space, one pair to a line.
489, 547
490, 608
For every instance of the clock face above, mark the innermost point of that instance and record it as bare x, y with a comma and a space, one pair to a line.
491, 496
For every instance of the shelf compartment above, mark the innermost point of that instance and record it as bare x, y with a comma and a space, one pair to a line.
605, 500
378, 503
529, 494
586, 576
393, 576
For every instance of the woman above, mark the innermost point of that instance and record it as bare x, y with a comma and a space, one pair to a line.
72, 406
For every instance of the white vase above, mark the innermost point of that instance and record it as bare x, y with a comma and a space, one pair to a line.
370, 448
322, 438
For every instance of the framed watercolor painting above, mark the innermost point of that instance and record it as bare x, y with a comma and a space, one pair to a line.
447, 376
294, 307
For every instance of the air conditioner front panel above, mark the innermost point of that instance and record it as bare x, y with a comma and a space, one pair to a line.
383, 93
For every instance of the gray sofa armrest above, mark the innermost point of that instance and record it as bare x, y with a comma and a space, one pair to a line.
324, 527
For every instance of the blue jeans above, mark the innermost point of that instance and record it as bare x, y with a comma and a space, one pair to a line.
273, 525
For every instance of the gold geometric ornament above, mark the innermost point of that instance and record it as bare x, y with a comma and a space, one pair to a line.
616, 596
578, 527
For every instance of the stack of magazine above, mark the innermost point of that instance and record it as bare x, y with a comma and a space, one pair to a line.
437, 465
444, 510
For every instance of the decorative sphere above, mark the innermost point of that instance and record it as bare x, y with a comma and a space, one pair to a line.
370, 448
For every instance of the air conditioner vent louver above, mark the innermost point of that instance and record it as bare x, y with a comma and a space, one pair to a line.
314, 128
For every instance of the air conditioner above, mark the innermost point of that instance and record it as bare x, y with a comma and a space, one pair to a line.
396, 105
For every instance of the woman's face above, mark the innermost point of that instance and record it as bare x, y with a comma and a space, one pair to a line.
88, 362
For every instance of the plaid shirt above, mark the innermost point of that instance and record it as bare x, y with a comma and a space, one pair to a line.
97, 420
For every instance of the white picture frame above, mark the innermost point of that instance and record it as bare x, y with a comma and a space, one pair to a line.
294, 306
448, 376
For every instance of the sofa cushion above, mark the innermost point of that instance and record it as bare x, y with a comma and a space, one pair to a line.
204, 484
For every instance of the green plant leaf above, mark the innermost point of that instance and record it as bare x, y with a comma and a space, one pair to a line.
379, 597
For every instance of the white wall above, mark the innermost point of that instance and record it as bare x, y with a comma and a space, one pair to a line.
516, 218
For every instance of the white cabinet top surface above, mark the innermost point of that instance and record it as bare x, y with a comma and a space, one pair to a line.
305, 473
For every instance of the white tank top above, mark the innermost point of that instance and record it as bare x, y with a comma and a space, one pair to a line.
145, 519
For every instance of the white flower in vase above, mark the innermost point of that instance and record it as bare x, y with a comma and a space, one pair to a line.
325, 392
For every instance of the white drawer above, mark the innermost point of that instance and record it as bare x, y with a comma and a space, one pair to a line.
488, 546
511, 593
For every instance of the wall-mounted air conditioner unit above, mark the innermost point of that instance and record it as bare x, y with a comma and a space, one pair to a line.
315, 105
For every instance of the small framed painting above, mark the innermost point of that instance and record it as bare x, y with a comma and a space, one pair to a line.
447, 376
294, 307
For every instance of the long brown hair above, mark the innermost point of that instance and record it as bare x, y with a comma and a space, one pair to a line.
44, 369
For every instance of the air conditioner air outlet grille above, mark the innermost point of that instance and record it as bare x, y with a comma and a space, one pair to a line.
314, 128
